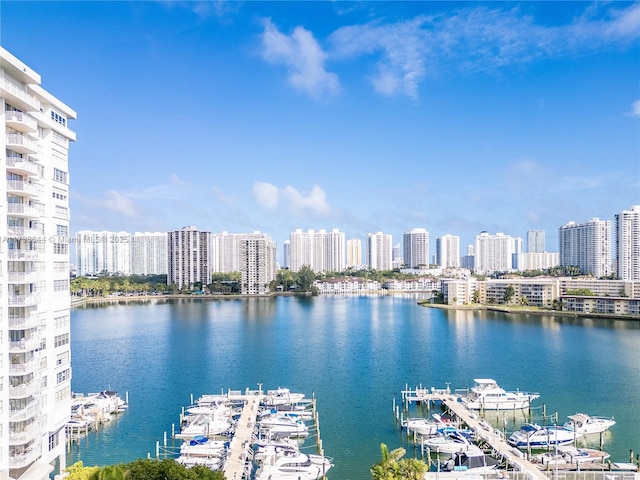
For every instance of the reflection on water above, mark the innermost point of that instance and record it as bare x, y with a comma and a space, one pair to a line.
354, 353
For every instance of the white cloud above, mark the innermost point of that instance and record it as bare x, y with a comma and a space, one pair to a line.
266, 195
315, 202
270, 196
303, 57
635, 108
119, 203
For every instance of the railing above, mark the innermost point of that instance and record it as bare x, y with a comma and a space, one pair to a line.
24, 345
24, 368
29, 321
26, 299
27, 255
25, 458
24, 277
21, 232
22, 209
23, 140
19, 93
28, 120
24, 390
21, 438
26, 187
22, 164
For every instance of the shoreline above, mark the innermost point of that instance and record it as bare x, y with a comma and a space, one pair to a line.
529, 311
78, 302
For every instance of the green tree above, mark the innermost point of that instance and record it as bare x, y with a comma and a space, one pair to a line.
509, 293
476, 296
78, 471
111, 472
306, 277
393, 467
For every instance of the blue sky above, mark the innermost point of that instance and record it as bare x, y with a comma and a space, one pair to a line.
362, 116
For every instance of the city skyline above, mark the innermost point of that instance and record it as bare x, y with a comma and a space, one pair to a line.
276, 116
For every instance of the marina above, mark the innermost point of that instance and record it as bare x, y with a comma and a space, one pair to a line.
497, 449
355, 354
257, 435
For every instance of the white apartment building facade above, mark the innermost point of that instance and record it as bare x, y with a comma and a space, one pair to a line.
416, 248
448, 251
379, 251
320, 250
354, 252
103, 253
189, 257
538, 261
586, 246
495, 253
149, 253
627, 232
257, 263
35, 355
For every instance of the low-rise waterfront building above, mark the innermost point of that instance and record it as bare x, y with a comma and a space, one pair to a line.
347, 285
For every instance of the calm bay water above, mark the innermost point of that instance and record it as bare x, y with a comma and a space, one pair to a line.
355, 353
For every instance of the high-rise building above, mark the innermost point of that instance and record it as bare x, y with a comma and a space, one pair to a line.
286, 247
103, 253
448, 251
627, 226
257, 263
189, 257
149, 253
535, 241
320, 250
494, 253
35, 354
379, 251
586, 246
354, 252
416, 248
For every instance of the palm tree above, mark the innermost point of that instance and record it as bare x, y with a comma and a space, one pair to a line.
388, 468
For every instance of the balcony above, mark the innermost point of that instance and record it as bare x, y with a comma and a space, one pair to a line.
20, 121
22, 166
24, 277
22, 232
25, 368
24, 255
24, 437
22, 414
24, 322
25, 458
22, 210
24, 390
25, 345
24, 188
27, 299
18, 96
22, 144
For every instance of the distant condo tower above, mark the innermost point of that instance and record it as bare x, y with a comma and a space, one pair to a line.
188, 257
495, 253
35, 354
320, 250
586, 246
149, 253
354, 252
416, 248
448, 251
535, 241
379, 251
627, 240
103, 253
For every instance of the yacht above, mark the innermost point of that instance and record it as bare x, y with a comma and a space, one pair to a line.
450, 443
281, 396
584, 424
570, 455
476, 462
531, 435
486, 394
289, 463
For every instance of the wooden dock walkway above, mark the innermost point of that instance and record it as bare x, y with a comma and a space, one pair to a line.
491, 436
241, 444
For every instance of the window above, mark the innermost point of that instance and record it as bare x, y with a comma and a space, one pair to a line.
54, 440
60, 285
64, 375
62, 230
63, 394
61, 340
56, 117
62, 358
59, 175
61, 248
61, 321
61, 212
59, 194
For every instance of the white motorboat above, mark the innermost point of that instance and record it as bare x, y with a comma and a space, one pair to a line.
449, 443
584, 424
486, 394
476, 462
282, 426
201, 446
421, 426
534, 436
290, 463
204, 425
281, 396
